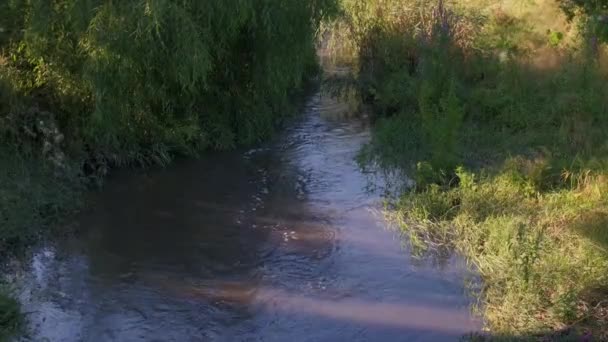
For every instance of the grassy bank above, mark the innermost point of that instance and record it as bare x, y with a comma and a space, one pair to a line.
499, 111
542, 255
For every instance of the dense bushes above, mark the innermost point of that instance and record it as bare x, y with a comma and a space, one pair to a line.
502, 124
134, 81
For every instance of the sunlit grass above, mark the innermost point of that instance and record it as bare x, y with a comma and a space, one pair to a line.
542, 256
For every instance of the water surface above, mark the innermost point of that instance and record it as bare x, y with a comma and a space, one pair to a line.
278, 243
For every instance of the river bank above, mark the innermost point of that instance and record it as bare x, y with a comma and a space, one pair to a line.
502, 124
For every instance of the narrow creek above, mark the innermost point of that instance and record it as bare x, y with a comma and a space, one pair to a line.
278, 243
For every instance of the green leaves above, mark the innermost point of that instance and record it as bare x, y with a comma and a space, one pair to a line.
129, 76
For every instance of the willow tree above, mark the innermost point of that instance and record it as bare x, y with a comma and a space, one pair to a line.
136, 80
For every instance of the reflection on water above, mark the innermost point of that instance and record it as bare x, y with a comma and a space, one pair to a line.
278, 243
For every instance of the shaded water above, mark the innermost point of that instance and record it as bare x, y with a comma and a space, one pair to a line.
280, 243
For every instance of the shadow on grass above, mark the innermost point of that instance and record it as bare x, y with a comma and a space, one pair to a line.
594, 227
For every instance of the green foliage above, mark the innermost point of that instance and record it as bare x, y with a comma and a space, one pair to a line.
139, 80
555, 38
441, 124
443, 97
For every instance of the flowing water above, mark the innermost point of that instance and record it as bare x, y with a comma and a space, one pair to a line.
279, 243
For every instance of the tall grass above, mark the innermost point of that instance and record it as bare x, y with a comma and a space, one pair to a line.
542, 255
502, 123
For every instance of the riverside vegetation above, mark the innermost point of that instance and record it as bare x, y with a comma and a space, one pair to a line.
499, 110
87, 85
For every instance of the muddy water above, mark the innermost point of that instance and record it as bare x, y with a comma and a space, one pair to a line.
279, 243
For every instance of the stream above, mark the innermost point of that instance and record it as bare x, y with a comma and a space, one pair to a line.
284, 242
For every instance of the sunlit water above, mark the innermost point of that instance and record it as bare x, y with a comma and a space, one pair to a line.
279, 243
